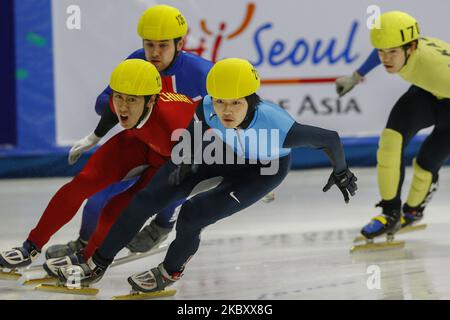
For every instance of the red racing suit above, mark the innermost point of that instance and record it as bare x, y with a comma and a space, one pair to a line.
148, 145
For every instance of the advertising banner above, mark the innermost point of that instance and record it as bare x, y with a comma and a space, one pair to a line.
298, 47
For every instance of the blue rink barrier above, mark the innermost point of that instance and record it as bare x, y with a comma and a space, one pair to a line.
8, 129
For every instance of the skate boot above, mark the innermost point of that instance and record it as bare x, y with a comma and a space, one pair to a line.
148, 238
51, 266
76, 278
85, 273
411, 216
382, 224
156, 279
19, 257
151, 284
63, 250
388, 223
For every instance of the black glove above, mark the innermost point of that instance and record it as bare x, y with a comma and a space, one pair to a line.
177, 176
345, 181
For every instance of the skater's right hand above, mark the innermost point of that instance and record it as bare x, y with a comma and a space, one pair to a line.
345, 181
81, 146
345, 84
182, 171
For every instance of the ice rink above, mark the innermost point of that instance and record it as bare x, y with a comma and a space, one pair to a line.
296, 247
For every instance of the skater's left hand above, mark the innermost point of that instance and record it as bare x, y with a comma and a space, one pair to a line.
347, 83
82, 145
345, 181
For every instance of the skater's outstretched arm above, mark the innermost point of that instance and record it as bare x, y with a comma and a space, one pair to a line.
309, 136
301, 135
345, 84
372, 61
107, 121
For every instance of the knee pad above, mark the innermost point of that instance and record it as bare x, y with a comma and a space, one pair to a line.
420, 186
388, 163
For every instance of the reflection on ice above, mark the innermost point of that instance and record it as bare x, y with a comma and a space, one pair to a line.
296, 247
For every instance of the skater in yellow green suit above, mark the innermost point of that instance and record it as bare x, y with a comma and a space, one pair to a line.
425, 63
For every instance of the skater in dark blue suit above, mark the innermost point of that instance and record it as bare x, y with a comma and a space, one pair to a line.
252, 146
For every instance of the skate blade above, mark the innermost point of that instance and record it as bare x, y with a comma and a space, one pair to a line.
407, 229
36, 267
63, 289
139, 255
150, 295
9, 275
412, 228
378, 246
31, 282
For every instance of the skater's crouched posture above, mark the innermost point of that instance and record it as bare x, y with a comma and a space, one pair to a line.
260, 136
149, 117
424, 62
162, 29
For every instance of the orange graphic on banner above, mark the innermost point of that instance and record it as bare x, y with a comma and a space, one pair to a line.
219, 37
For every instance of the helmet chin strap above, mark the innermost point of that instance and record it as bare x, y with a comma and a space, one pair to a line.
144, 111
406, 56
248, 118
253, 101
176, 41
405, 49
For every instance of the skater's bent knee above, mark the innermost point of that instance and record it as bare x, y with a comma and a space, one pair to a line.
189, 217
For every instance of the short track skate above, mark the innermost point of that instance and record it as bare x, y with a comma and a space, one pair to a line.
61, 288
35, 281
407, 229
371, 245
12, 274
135, 295
130, 257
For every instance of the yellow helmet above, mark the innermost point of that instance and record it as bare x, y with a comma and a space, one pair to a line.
136, 77
162, 22
232, 78
396, 29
